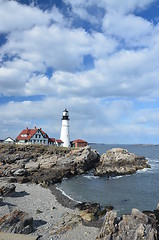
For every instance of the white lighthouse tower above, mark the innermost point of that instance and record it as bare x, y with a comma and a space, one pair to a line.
65, 136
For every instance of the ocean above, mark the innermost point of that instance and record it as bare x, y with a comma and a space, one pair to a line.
139, 190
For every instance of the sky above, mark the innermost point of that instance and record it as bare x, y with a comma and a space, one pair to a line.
99, 59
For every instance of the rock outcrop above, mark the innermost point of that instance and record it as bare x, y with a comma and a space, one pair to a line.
44, 164
66, 223
92, 212
118, 161
16, 222
6, 189
135, 226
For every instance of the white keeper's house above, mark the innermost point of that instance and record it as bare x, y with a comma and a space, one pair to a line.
36, 136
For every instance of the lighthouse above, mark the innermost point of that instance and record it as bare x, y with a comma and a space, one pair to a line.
65, 136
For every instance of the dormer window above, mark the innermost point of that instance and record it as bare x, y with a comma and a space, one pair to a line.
23, 135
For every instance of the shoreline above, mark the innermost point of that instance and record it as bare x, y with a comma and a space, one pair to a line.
67, 202
63, 199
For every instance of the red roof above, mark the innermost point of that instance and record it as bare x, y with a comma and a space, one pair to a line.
79, 141
59, 141
52, 139
29, 133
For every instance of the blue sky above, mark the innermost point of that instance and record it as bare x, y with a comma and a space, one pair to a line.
98, 59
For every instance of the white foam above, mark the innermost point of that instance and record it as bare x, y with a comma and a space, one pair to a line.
91, 177
116, 177
67, 195
143, 170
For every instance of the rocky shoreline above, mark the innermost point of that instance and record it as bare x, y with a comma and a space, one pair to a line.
44, 164
42, 210
48, 165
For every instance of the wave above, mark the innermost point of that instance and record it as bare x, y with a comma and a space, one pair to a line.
154, 168
116, 177
65, 194
143, 170
91, 177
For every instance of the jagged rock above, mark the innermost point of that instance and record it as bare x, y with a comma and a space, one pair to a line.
20, 172
32, 166
92, 211
89, 211
16, 222
133, 227
118, 161
6, 189
66, 222
45, 164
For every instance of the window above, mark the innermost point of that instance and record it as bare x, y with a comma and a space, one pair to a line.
23, 135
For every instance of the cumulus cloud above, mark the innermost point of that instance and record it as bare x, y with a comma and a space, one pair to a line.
135, 31
15, 16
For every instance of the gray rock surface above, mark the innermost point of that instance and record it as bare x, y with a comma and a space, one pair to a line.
20, 172
44, 164
67, 222
118, 161
137, 226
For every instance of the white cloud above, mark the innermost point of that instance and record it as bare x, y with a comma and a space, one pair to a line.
17, 17
113, 5
135, 31
50, 46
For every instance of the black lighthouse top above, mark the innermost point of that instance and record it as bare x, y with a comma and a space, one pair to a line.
65, 115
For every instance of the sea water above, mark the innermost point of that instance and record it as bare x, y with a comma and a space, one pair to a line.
139, 190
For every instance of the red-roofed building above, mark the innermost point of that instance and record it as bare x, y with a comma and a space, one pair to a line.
79, 143
36, 136
58, 142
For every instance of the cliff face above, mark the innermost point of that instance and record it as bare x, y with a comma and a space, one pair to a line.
118, 161
45, 164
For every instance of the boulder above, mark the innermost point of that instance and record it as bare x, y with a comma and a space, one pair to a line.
6, 189
16, 222
135, 226
66, 223
20, 172
118, 161
92, 212
89, 211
